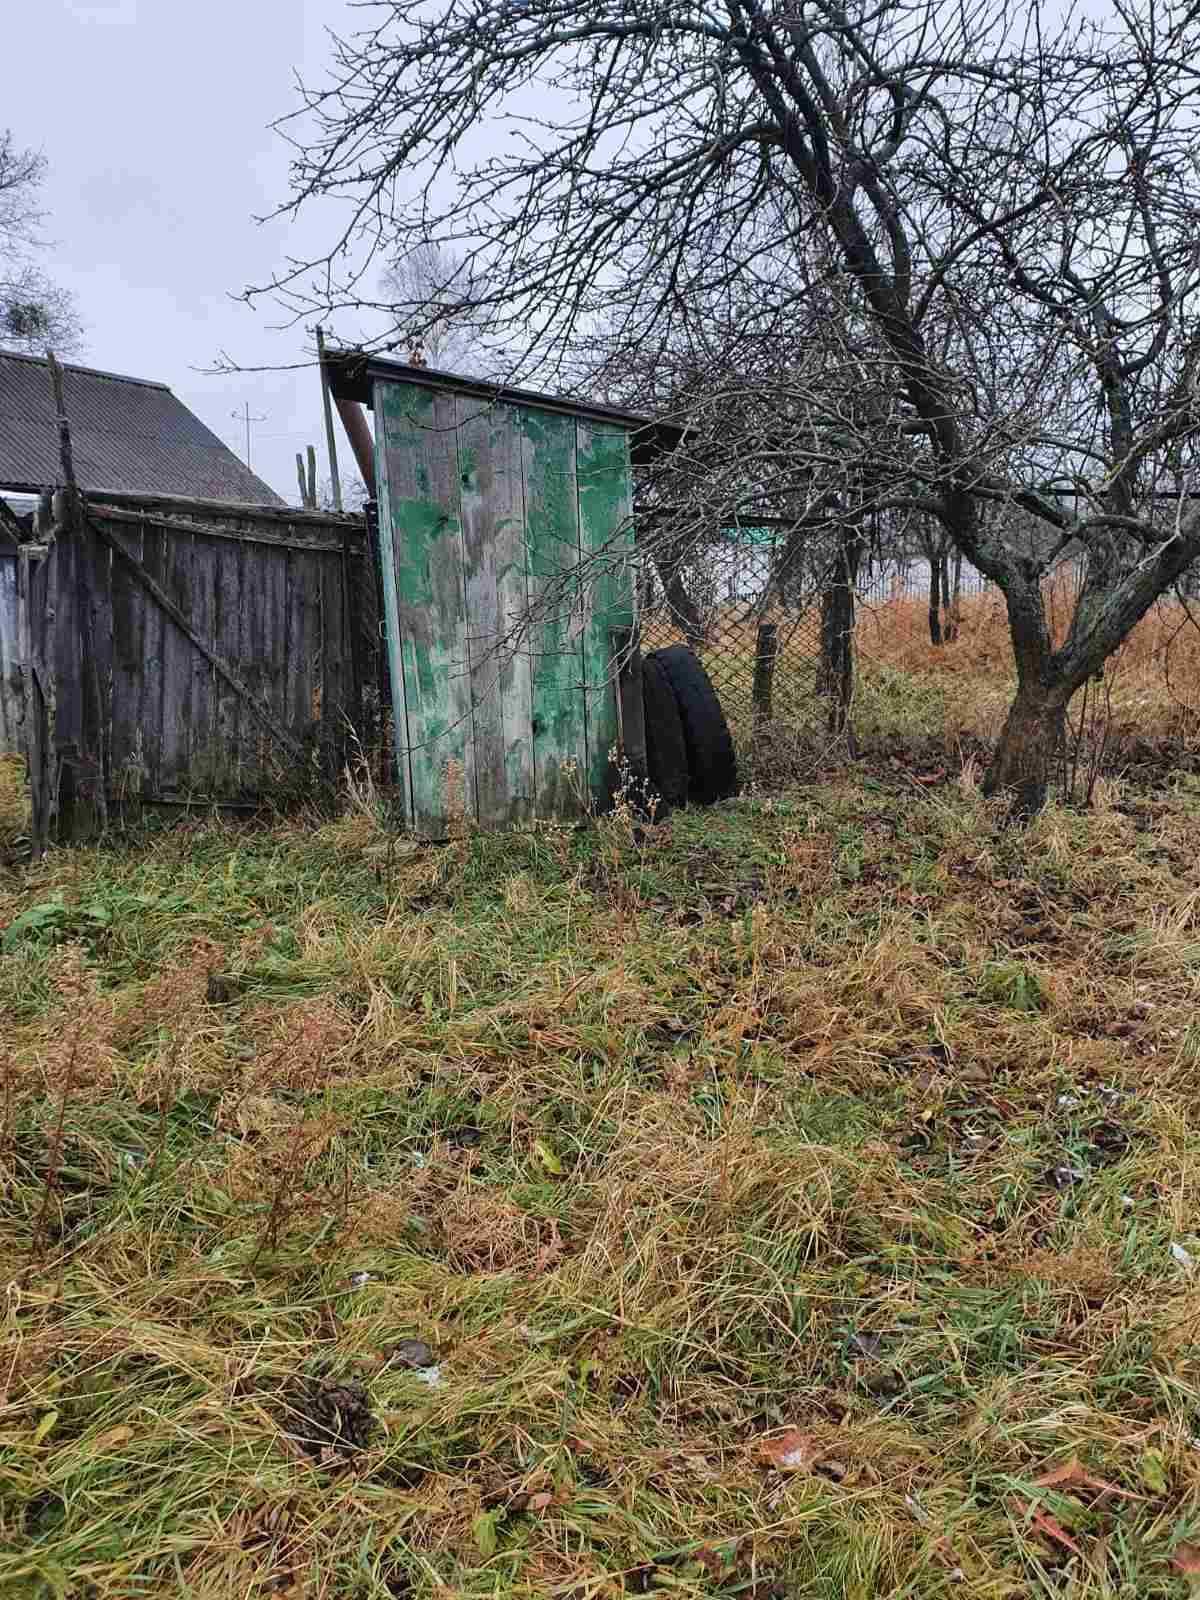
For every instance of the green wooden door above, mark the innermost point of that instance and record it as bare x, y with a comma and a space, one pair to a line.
505, 534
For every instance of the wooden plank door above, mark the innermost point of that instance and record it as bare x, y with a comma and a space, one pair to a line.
497, 602
607, 551
424, 592
555, 613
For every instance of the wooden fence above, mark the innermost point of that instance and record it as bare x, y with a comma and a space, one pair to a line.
184, 652
11, 693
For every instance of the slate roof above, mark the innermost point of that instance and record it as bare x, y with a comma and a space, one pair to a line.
128, 435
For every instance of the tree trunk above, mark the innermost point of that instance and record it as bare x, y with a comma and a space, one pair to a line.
949, 630
935, 597
1030, 747
683, 609
835, 675
954, 612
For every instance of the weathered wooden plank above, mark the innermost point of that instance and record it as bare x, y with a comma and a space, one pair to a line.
421, 507
98, 580
249, 666
11, 691
305, 685
552, 540
497, 601
154, 626
227, 624
129, 662
275, 663
247, 528
178, 654
388, 599
207, 764
32, 643
333, 652
170, 610
256, 665
606, 548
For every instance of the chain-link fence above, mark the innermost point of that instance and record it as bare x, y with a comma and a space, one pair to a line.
759, 639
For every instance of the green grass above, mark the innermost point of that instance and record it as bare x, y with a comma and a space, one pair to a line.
847, 1117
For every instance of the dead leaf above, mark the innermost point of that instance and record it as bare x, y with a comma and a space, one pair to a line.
1186, 1558
711, 1561
792, 1451
1072, 1474
255, 1114
112, 1437
539, 1502
1052, 1529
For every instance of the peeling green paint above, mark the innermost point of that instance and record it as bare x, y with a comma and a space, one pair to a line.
487, 515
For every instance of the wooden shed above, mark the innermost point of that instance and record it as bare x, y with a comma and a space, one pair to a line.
507, 554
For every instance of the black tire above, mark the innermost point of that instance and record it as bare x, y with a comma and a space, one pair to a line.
712, 764
666, 752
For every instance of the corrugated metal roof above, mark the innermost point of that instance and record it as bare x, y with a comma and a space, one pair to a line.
127, 435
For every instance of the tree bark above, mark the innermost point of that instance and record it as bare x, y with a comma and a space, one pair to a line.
683, 608
948, 629
935, 597
1032, 739
952, 600
1030, 748
835, 675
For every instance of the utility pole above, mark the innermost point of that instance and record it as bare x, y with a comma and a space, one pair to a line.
244, 416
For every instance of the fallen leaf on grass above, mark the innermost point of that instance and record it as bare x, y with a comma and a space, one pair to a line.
1186, 1558
1046, 1524
1071, 1474
792, 1451
112, 1437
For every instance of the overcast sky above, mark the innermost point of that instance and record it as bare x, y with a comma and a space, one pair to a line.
153, 116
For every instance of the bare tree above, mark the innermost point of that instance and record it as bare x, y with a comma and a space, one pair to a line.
35, 313
429, 291
1011, 201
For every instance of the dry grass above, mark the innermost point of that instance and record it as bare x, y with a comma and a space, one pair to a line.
779, 1199
1153, 681
14, 804
912, 695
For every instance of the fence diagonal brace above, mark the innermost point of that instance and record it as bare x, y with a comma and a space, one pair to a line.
219, 666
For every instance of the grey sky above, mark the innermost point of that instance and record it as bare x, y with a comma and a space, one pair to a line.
153, 115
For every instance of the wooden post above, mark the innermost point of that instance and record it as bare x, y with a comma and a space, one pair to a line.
330, 441
80, 722
765, 653
308, 482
